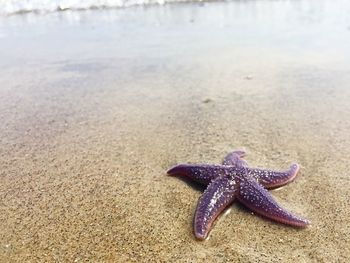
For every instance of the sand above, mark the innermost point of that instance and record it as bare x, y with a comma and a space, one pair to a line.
96, 106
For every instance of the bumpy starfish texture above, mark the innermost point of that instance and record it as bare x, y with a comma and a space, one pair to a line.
235, 180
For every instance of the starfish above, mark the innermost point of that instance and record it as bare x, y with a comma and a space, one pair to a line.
235, 180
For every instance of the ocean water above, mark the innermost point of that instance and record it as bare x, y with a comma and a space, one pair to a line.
10, 7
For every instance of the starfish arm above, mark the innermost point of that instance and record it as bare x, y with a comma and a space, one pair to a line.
273, 179
259, 200
202, 173
235, 158
219, 194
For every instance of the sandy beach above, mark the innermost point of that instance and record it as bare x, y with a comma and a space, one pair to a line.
95, 106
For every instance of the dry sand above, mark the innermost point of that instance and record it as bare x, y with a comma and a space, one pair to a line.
95, 107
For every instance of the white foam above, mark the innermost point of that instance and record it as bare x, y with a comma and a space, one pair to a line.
9, 7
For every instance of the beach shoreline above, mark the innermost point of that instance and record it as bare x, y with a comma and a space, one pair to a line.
96, 106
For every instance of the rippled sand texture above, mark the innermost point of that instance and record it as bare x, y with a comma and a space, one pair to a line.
95, 107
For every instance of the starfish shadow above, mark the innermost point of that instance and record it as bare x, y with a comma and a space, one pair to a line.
263, 218
196, 186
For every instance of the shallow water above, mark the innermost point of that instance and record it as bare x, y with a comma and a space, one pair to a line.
96, 105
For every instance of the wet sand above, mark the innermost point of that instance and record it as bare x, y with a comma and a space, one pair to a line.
96, 106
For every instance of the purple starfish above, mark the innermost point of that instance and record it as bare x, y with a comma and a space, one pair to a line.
233, 179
